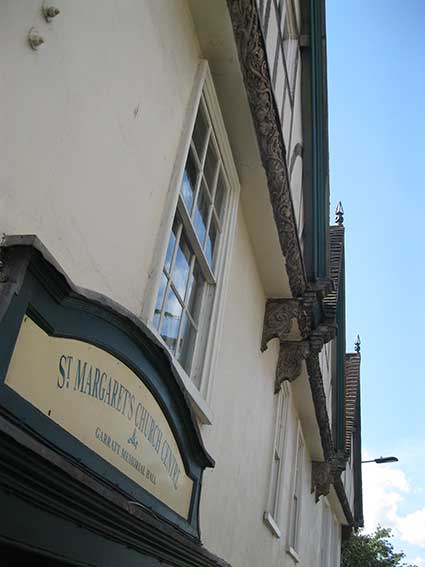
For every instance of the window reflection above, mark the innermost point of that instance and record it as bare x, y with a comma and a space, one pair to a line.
210, 167
187, 345
181, 267
160, 300
188, 185
210, 245
195, 294
219, 196
201, 215
171, 320
170, 248
200, 131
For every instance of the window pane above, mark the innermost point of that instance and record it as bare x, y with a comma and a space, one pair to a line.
219, 196
159, 300
211, 240
211, 163
171, 320
182, 266
171, 243
274, 485
187, 344
188, 185
201, 215
195, 293
294, 523
200, 131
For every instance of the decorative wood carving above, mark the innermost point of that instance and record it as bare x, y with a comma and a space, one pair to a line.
307, 307
258, 84
326, 473
321, 478
279, 318
291, 356
319, 401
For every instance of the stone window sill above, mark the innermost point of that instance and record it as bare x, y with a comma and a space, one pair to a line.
272, 525
291, 551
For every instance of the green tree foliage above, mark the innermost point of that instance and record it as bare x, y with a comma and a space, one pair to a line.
371, 550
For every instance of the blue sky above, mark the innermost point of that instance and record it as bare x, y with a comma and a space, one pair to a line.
376, 78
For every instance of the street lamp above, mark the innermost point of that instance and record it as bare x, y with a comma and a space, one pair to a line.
382, 460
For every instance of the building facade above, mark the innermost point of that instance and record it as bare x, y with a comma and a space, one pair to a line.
174, 382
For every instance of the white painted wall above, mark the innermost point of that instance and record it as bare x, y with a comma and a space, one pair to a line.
241, 437
90, 129
90, 126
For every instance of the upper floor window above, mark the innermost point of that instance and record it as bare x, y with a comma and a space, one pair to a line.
290, 45
272, 513
325, 535
193, 268
330, 537
295, 511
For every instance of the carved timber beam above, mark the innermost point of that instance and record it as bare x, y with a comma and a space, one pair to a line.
259, 88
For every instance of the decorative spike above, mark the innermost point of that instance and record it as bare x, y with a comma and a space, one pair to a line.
339, 214
357, 344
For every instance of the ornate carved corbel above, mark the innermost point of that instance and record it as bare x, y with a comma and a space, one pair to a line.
321, 478
325, 473
279, 319
291, 356
287, 320
291, 321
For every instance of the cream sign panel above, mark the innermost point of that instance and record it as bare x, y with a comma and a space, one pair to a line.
101, 402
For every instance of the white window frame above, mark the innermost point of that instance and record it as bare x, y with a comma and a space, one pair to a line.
292, 547
291, 45
204, 364
337, 541
325, 534
329, 544
272, 513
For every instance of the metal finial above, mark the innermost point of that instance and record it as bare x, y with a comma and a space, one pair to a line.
357, 344
339, 214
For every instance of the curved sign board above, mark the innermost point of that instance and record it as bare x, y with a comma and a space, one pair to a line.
104, 404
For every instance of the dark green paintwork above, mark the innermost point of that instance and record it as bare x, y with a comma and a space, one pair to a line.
49, 300
340, 363
320, 195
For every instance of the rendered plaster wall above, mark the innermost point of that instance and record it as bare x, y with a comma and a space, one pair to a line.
235, 492
90, 128
330, 550
241, 436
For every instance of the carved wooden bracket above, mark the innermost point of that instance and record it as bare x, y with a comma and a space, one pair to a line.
325, 473
321, 478
290, 320
291, 356
287, 320
280, 318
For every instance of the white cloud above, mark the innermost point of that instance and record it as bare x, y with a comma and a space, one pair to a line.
386, 492
411, 528
384, 489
